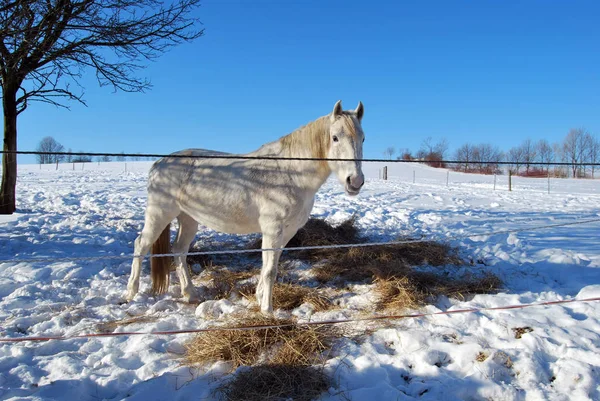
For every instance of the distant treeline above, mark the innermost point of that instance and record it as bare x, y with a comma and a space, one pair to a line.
49, 144
579, 146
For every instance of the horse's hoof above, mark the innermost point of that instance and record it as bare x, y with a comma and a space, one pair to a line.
193, 296
129, 296
267, 311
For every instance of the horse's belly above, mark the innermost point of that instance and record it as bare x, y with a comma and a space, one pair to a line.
224, 219
229, 227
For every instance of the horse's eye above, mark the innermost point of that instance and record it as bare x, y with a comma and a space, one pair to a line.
335, 138
363, 139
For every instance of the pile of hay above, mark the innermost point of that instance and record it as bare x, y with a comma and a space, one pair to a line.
414, 289
317, 232
376, 262
275, 383
222, 282
293, 344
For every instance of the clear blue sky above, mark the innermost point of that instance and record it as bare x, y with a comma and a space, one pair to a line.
469, 71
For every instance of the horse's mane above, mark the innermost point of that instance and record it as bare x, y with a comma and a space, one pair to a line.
314, 136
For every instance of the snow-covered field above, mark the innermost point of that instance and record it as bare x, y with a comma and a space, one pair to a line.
98, 210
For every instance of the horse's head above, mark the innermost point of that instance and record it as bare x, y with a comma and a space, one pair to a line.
346, 139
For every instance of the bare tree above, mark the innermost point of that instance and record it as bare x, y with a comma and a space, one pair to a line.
594, 152
104, 159
69, 158
46, 45
529, 153
404, 154
81, 158
516, 158
574, 148
433, 153
389, 152
49, 144
486, 158
441, 148
465, 155
545, 153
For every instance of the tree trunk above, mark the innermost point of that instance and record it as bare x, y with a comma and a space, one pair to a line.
9, 161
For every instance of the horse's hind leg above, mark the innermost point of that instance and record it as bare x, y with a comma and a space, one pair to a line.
187, 231
155, 222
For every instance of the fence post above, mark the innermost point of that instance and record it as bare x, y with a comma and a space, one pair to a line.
73, 166
548, 180
385, 173
125, 166
509, 180
447, 177
494, 182
57, 163
414, 176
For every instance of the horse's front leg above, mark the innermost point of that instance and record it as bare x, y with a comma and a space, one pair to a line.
272, 238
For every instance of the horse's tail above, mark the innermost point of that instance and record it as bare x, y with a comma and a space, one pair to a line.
160, 267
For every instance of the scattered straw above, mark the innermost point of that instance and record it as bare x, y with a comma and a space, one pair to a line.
414, 288
297, 345
222, 282
397, 294
288, 296
519, 331
110, 327
275, 383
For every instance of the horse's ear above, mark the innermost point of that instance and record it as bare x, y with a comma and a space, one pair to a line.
360, 110
337, 110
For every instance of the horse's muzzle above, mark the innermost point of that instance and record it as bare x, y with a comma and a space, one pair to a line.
354, 184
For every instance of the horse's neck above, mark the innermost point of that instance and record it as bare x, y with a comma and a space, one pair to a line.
309, 174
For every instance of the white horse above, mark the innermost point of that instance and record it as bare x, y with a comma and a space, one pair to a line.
242, 196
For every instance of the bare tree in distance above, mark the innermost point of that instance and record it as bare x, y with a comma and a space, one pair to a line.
529, 154
574, 148
49, 144
46, 45
441, 148
516, 158
594, 153
545, 153
465, 155
389, 152
487, 157
81, 159
404, 154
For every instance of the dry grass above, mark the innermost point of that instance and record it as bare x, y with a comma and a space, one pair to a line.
110, 327
414, 288
222, 282
275, 383
370, 263
389, 267
296, 345
397, 294
519, 331
288, 296
481, 357
317, 232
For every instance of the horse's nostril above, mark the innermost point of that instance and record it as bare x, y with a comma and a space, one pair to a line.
348, 180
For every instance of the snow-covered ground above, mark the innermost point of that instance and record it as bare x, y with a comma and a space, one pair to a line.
98, 210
